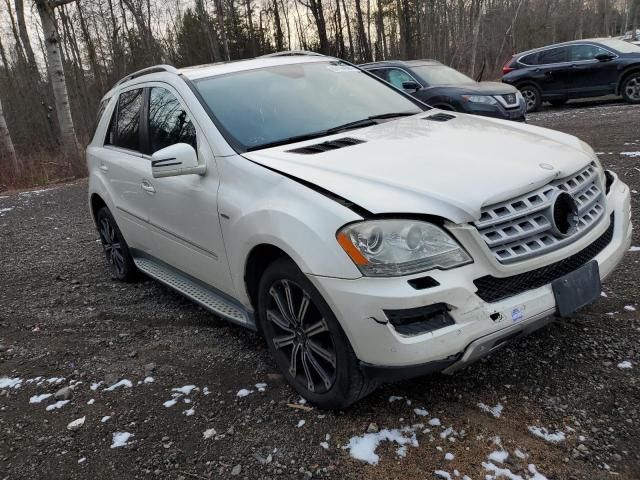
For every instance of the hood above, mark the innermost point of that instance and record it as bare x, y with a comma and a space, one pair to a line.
477, 88
450, 169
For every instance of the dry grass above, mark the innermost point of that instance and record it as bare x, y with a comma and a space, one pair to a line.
37, 169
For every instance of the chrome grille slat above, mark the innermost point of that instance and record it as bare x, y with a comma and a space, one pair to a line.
519, 228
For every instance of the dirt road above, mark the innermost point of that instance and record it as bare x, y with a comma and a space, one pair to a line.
65, 323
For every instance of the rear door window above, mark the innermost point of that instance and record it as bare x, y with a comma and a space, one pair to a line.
169, 122
553, 55
124, 130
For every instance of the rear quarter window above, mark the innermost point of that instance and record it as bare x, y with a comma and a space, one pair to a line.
531, 59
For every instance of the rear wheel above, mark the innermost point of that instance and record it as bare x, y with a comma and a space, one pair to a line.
306, 340
532, 97
631, 88
115, 247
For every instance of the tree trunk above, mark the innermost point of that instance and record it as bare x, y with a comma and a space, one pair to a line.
476, 34
363, 43
6, 145
278, 25
24, 36
223, 32
348, 22
253, 48
68, 139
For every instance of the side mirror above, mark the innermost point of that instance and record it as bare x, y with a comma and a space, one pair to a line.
412, 86
174, 160
604, 57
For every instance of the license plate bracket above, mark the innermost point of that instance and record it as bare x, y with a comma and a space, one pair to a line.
577, 289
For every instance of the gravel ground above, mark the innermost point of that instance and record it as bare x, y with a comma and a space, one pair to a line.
61, 315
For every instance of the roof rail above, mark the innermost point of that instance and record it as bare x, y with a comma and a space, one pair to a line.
287, 53
146, 71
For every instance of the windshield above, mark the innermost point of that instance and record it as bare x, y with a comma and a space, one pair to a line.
273, 104
620, 45
436, 75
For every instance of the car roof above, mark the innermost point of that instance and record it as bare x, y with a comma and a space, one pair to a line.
219, 68
563, 44
401, 63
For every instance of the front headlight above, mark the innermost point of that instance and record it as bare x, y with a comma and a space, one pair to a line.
389, 248
486, 99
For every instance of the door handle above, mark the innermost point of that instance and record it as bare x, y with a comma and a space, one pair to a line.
147, 187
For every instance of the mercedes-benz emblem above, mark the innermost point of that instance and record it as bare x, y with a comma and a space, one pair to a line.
564, 214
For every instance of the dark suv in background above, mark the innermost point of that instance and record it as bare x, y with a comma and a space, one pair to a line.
578, 69
443, 87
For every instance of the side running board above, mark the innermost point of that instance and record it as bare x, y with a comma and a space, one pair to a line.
194, 290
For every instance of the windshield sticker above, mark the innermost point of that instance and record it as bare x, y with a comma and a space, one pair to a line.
342, 68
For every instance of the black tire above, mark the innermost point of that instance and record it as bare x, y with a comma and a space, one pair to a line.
326, 371
532, 97
115, 247
630, 89
558, 103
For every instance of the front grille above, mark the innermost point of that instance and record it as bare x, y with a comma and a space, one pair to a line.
493, 289
522, 228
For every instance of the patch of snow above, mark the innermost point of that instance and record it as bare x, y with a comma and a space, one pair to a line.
205, 391
449, 456
520, 454
301, 423
442, 474
55, 380
395, 398
604, 294
302, 401
189, 412
148, 380
325, 445
401, 452
634, 249
58, 404
496, 411
448, 431
261, 387
105, 418
120, 439
364, 447
6, 209
94, 386
434, 422
536, 475
498, 456
630, 308
39, 398
170, 403
82, 460
7, 382
186, 390
122, 383
551, 437
625, 364
630, 154
208, 433
91, 402
243, 392
500, 472
421, 412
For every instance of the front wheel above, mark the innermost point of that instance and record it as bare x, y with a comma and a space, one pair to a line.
115, 247
532, 97
631, 88
306, 340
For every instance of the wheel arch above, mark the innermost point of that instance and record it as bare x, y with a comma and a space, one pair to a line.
96, 202
625, 74
257, 262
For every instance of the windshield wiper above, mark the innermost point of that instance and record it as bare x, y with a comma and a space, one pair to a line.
369, 121
365, 122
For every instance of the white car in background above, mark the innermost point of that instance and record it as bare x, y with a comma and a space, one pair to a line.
368, 237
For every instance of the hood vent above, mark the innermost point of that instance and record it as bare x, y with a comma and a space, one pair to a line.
326, 146
440, 117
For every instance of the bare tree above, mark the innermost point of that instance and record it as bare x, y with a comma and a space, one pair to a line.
6, 145
68, 139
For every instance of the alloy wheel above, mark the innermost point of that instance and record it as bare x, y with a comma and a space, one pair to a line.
112, 246
632, 89
530, 98
301, 336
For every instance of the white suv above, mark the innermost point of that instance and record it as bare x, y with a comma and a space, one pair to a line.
367, 237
